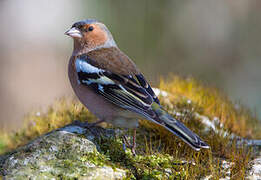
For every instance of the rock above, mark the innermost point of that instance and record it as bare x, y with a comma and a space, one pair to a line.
255, 170
58, 154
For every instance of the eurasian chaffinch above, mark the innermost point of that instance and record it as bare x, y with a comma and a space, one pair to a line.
110, 85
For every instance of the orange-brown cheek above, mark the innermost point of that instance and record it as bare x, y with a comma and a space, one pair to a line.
96, 37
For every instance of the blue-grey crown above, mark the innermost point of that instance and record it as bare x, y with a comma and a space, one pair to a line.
83, 22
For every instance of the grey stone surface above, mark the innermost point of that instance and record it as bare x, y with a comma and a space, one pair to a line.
255, 170
58, 154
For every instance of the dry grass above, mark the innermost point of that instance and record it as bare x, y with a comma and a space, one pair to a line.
214, 103
62, 112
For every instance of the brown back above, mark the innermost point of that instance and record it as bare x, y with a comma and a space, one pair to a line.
113, 60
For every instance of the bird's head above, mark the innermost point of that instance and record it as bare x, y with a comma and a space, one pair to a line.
90, 34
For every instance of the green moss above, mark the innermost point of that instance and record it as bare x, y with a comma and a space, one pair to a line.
3, 145
145, 166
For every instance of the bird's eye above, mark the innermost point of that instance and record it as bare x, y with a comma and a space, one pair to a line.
90, 28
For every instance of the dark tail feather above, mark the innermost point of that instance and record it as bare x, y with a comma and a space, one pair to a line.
180, 130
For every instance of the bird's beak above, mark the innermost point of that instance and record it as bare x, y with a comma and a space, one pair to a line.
74, 33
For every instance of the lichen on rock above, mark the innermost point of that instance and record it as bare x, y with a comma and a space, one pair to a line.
59, 154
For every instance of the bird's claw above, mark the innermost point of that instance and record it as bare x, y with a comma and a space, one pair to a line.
127, 144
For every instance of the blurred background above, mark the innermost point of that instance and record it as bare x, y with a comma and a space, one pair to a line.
217, 42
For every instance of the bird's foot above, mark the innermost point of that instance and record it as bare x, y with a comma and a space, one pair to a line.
127, 144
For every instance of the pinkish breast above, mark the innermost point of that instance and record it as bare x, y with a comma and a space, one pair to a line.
99, 106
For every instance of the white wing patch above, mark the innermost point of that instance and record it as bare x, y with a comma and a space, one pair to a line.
102, 80
83, 66
100, 87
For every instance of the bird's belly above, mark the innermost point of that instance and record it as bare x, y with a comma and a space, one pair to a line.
125, 119
124, 122
95, 103
105, 110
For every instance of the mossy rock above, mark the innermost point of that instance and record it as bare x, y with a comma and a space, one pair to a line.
58, 154
74, 153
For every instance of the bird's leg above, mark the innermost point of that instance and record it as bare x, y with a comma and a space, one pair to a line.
128, 144
125, 142
134, 142
86, 124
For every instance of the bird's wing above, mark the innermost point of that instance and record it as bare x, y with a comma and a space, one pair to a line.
115, 61
113, 75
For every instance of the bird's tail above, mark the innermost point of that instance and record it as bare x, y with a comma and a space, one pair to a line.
178, 128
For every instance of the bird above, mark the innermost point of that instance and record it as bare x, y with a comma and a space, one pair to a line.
109, 84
